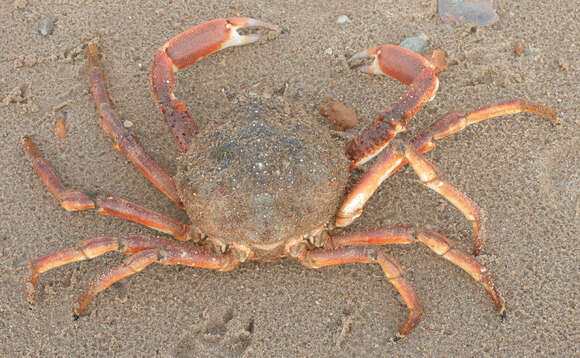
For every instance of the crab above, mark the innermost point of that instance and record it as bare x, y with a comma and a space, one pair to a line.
265, 185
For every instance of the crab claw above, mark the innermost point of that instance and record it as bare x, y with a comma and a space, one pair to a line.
407, 67
185, 49
240, 23
373, 68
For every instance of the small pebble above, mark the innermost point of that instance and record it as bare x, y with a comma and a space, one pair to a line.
416, 44
519, 49
328, 51
339, 115
127, 124
46, 26
342, 19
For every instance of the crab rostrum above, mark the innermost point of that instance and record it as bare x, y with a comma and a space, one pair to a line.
266, 182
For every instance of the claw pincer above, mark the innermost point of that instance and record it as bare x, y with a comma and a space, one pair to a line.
184, 50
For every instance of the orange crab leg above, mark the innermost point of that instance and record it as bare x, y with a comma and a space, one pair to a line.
125, 141
438, 243
429, 176
147, 250
409, 68
456, 121
393, 271
185, 49
391, 159
74, 200
86, 250
187, 255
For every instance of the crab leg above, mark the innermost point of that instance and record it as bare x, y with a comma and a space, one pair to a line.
438, 243
456, 121
428, 174
125, 141
409, 68
405, 234
393, 271
86, 250
75, 200
190, 255
391, 159
185, 49
147, 250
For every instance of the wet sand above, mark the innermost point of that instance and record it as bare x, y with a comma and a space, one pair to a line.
521, 170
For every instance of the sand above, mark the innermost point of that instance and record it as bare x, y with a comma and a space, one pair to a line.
521, 170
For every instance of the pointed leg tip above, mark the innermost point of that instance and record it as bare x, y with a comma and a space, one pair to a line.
397, 338
30, 291
93, 48
503, 313
93, 55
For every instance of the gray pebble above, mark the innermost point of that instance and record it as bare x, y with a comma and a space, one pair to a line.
417, 43
46, 26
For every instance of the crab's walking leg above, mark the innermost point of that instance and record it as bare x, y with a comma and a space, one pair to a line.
86, 250
184, 50
125, 141
456, 121
438, 243
405, 234
191, 255
147, 250
75, 200
391, 159
409, 68
429, 176
393, 271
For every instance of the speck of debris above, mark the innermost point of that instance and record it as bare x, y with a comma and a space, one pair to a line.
563, 65
519, 49
438, 58
46, 26
416, 44
60, 127
342, 19
127, 124
20, 4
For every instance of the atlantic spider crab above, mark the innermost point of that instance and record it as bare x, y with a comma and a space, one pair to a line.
264, 187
